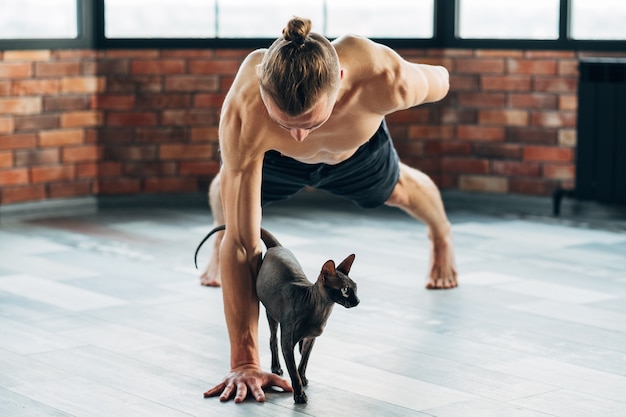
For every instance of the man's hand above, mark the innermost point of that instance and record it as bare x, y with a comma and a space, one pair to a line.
246, 380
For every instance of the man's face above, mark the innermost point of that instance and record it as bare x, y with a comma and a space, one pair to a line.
300, 126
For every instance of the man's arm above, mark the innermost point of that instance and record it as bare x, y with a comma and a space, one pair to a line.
415, 84
240, 254
396, 84
240, 189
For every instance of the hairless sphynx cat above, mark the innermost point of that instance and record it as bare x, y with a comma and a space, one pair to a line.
298, 305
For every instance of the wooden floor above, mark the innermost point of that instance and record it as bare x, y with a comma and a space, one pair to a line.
103, 315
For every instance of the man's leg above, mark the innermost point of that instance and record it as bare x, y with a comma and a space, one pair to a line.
211, 275
416, 194
282, 178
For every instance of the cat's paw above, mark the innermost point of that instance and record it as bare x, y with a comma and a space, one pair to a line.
305, 381
300, 398
277, 371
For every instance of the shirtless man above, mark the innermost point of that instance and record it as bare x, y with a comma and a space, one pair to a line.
308, 112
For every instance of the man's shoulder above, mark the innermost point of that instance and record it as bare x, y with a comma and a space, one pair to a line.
353, 42
253, 58
246, 77
360, 52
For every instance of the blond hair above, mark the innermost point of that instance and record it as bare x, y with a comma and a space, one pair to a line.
298, 68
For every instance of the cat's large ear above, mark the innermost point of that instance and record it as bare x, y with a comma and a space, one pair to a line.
346, 264
328, 270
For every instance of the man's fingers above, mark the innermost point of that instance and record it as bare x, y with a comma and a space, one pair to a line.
228, 390
242, 392
215, 390
277, 381
238, 387
256, 389
258, 394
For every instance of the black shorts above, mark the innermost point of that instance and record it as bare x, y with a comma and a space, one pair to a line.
367, 178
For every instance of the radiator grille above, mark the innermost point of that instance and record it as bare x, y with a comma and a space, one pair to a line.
601, 147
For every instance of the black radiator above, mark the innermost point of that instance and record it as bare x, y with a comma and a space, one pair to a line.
601, 147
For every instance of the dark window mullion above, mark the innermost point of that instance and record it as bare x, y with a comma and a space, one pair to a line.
565, 20
445, 27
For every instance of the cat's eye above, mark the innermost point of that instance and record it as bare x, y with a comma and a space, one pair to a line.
344, 292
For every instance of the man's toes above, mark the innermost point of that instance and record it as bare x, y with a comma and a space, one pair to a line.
450, 283
210, 282
441, 283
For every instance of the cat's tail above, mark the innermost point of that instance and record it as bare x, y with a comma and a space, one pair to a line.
267, 238
216, 229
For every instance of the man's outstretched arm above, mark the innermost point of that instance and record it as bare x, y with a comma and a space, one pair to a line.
240, 254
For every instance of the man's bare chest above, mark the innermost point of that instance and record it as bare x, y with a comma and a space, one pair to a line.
330, 144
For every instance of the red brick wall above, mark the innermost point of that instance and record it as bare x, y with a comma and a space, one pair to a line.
81, 122
508, 124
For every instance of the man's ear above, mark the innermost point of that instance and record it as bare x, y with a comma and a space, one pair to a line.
341, 73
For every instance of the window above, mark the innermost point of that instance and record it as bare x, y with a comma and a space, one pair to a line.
509, 19
38, 19
254, 19
384, 19
593, 25
598, 19
265, 19
159, 19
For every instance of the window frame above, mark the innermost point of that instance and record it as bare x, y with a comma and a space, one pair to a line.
90, 29
85, 29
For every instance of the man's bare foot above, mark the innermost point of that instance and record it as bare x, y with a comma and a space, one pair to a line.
209, 281
211, 275
443, 273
